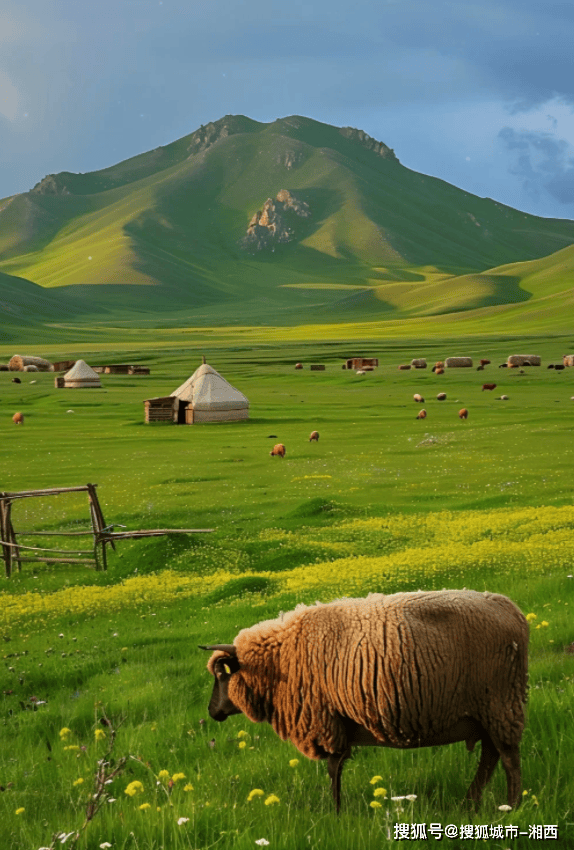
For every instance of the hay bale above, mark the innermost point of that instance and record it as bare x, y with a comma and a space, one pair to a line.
419, 363
404, 367
18, 362
523, 360
458, 362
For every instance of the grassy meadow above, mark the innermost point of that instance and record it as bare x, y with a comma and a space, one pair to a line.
106, 740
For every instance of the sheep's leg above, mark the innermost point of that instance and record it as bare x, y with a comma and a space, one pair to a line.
335, 762
489, 756
510, 757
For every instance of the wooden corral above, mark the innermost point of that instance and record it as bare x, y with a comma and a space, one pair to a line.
135, 369
102, 534
317, 367
367, 363
63, 365
161, 409
59, 382
18, 362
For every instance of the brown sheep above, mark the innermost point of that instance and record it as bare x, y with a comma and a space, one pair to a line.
441, 397
18, 418
463, 413
439, 370
404, 671
298, 365
422, 414
278, 450
489, 386
314, 437
418, 398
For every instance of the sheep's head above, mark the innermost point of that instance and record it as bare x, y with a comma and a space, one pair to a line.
222, 664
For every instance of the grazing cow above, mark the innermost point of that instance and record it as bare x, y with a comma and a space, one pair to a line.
559, 367
463, 413
278, 450
439, 370
18, 418
298, 365
422, 414
418, 398
314, 437
485, 363
480, 368
503, 366
489, 386
441, 397
16, 381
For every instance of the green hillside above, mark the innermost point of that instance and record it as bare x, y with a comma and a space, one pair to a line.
163, 234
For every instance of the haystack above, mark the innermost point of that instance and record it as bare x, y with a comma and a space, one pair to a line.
524, 360
18, 362
419, 363
81, 376
457, 362
207, 397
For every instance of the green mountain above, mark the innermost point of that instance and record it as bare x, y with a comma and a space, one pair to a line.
244, 221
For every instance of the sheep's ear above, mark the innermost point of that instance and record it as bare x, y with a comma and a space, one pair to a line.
227, 664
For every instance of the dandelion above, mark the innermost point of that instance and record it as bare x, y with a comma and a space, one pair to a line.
79, 781
242, 745
293, 762
271, 800
376, 779
262, 842
163, 775
504, 808
242, 734
534, 799
257, 792
65, 733
380, 792
99, 734
144, 807
177, 776
181, 821
20, 810
544, 624
188, 787
134, 788
530, 617
374, 804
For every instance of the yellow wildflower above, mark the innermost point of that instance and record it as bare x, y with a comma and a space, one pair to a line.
20, 810
163, 774
374, 804
271, 800
99, 734
293, 762
177, 776
134, 788
144, 807
73, 747
257, 792
376, 779
188, 787
531, 617
544, 624
65, 733
242, 734
79, 781
242, 745
380, 792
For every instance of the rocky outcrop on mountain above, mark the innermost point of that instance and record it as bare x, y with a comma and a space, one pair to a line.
209, 134
51, 185
276, 222
368, 142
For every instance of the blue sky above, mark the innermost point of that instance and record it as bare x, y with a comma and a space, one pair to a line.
480, 94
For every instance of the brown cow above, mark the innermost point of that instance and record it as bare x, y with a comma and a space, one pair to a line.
278, 450
439, 370
314, 437
463, 413
485, 362
18, 418
489, 386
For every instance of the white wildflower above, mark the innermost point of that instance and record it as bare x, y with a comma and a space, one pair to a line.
505, 808
181, 821
262, 842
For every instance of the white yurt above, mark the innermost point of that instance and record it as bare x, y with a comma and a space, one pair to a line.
207, 397
81, 375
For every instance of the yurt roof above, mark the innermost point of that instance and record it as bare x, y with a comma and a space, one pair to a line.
81, 371
206, 389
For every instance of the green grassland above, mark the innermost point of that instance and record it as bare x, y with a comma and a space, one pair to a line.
383, 502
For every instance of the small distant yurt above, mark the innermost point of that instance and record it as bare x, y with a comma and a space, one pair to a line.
207, 397
81, 376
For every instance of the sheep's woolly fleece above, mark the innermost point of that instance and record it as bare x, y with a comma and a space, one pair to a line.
406, 667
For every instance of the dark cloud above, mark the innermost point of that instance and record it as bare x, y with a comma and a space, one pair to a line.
542, 162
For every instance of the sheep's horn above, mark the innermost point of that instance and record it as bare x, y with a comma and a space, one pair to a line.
229, 648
